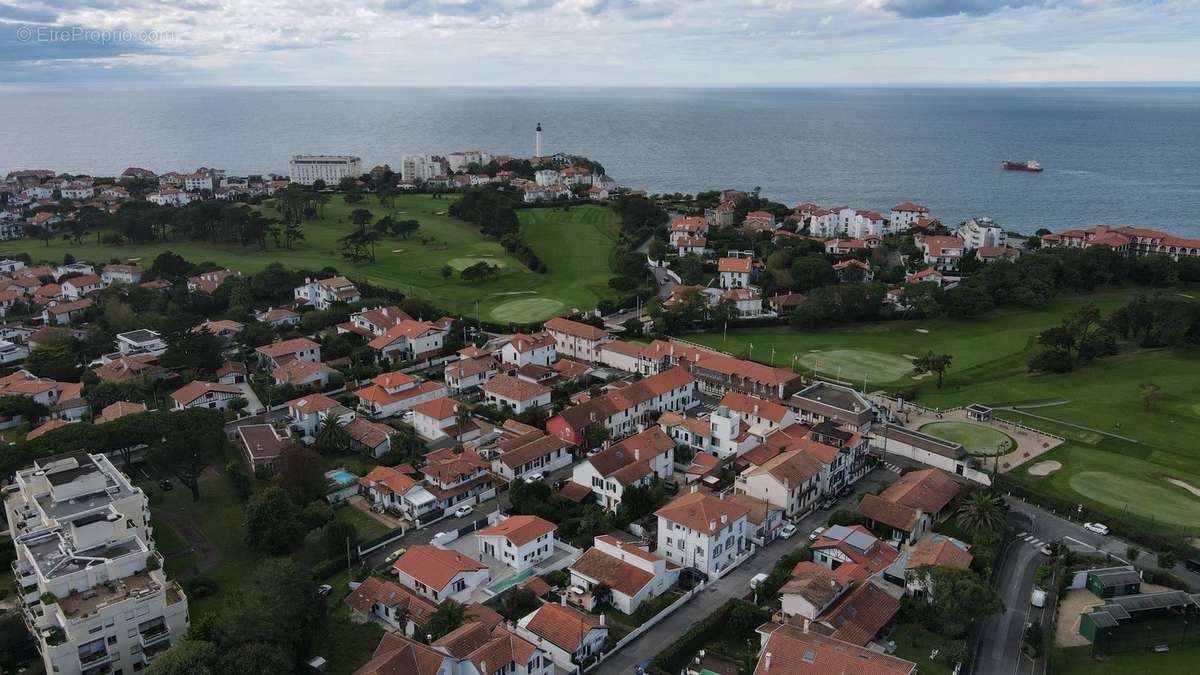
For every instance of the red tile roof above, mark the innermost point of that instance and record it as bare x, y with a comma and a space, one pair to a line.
439, 408
702, 512
434, 566
575, 328
735, 265
564, 627
519, 530
197, 388
515, 389
795, 651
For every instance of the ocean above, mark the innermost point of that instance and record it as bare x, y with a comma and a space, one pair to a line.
1112, 155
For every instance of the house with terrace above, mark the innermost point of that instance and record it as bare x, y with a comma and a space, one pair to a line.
226, 329
516, 394
531, 453
395, 491
199, 394
409, 340
393, 393
523, 349
910, 507
632, 574
296, 349
624, 411
323, 293
841, 545
278, 318
457, 478
262, 445
824, 401
520, 542
439, 418
942, 253
636, 461
468, 374
308, 413
391, 605
121, 274
575, 340
568, 635
440, 574
304, 374
704, 532
760, 415
375, 321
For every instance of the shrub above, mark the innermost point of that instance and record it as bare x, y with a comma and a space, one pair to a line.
201, 587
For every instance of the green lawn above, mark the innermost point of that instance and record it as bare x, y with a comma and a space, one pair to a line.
916, 644
213, 527
1181, 660
368, 527
1124, 479
976, 438
576, 244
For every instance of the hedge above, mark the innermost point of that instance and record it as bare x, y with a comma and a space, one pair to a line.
676, 655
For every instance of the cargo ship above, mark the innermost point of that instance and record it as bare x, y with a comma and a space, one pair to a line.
1022, 166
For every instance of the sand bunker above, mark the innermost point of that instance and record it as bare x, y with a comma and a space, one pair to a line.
921, 330
1044, 468
1185, 485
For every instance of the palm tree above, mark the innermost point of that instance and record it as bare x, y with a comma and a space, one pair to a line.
462, 417
331, 437
981, 510
448, 617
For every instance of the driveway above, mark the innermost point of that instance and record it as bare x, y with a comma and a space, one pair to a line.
736, 584
425, 534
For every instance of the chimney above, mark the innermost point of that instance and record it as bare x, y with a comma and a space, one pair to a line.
637, 454
767, 656
562, 599
712, 524
694, 489
724, 518
806, 625
601, 623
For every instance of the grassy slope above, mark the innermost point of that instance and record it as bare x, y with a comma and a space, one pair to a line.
578, 261
1181, 660
990, 357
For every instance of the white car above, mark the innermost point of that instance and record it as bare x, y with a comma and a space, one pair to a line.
787, 531
324, 590
816, 533
1046, 551
464, 510
1038, 599
1098, 528
535, 477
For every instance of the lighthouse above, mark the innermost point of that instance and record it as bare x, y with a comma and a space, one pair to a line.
537, 141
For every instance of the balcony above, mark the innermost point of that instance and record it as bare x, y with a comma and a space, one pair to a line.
94, 662
154, 637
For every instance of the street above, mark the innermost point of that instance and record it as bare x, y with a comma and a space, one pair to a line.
734, 585
999, 648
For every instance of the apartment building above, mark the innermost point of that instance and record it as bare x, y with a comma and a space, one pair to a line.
623, 411
307, 169
576, 340
92, 588
702, 531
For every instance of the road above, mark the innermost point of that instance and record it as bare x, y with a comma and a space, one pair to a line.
424, 534
735, 585
1031, 527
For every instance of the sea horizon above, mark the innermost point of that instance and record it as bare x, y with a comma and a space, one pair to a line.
1118, 154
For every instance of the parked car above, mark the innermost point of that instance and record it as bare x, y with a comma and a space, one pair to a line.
828, 503
1046, 550
757, 580
1038, 599
787, 531
1098, 528
535, 477
394, 554
324, 590
464, 510
816, 533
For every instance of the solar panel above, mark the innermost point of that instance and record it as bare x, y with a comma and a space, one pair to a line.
810, 656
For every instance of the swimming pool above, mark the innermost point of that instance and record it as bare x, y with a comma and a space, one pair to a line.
341, 476
505, 584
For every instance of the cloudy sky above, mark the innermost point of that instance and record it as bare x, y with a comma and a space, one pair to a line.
598, 42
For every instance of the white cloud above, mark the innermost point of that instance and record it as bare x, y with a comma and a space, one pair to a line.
616, 42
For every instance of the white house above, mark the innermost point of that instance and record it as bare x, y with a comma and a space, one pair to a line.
518, 394
169, 197
621, 355
567, 634
77, 287
632, 573
942, 253
297, 349
141, 341
905, 215
466, 374
522, 349
546, 177
531, 453
198, 394
981, 233
322, 293
393, 393
519, 542
636, 461
303, 374
438, 419
440, 574
702, 531
121, 274
308, 412
375, 321
392, 490
735, 272
790, 481
390, 604
576, 340
62, 313
410, 340
625, 410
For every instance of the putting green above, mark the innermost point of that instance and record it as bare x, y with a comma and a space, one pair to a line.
1161, 502
857, 364
526, 309
977, 439
461, 264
